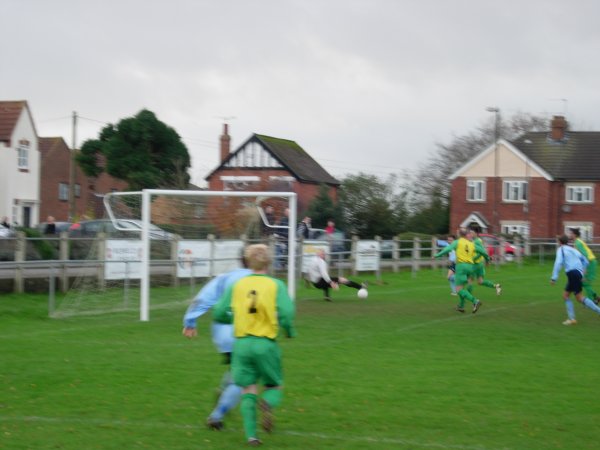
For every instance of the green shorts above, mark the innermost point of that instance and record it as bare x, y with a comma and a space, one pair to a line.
479, 270
464, 271
590, 271
256, 359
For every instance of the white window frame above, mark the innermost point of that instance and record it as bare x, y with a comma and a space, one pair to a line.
23, 155
77, 190
515, 227
477, 188
241, 182
579, 193
63, 191
586, 229
518, 187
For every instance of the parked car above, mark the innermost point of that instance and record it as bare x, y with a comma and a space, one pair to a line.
60, 227
90, 228
493, 242
6, 232
338, 239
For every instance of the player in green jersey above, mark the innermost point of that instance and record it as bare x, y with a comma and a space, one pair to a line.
259, 306
479, 270
590, 272
466, 250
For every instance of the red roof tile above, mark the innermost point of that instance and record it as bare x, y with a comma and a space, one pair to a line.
9, 114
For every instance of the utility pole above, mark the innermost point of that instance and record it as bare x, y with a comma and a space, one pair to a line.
72, 170
495, 218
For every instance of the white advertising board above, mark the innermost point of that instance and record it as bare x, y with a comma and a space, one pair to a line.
367, 256
118, 251
194, 257
309, 252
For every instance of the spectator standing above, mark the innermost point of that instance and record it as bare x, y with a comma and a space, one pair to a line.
304, 228
50, 226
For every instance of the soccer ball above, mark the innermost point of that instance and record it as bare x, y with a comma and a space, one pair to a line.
362, 293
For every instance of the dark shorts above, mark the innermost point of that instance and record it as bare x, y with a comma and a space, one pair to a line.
452, 266
574, 283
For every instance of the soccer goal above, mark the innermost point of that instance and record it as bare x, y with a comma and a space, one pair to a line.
154, 249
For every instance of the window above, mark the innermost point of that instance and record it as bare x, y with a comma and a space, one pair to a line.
586, 229
239, 183
579, 194
514, 191
23, 155
476, 190
77, 190
520, 228
63, 191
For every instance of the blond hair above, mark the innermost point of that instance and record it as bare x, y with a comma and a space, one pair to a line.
257, 257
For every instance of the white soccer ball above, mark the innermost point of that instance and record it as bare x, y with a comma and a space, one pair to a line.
362, 293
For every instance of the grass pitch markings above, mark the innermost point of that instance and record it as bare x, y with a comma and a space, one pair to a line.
321, 436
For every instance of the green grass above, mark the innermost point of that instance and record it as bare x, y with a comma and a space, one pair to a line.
399, 370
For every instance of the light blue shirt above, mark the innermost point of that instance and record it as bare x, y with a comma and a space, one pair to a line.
210, 294
570, 259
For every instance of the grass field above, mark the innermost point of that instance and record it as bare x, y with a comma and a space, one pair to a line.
399, 370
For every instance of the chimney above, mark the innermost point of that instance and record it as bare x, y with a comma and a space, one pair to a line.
225, 143
558, 127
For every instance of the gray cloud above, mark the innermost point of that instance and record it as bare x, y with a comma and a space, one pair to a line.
366, 85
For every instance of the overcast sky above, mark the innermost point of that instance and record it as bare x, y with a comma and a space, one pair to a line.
362, 85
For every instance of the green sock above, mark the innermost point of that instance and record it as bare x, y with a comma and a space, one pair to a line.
489, 284
465, 294
248, 410
272, 397
470, 288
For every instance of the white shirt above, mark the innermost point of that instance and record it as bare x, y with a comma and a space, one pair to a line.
318, 270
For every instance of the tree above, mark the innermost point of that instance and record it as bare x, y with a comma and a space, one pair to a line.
371, 207
141, 150
322, 208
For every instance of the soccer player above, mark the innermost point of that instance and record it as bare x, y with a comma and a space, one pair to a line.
319, 276
574, 264
222, 336
466, 250
451, 262
479, 270
590, 271
259, 306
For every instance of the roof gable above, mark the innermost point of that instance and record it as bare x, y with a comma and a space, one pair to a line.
502, 144
267, 152
10, 112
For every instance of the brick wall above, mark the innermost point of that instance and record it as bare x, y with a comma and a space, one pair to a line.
545, 212
306, 191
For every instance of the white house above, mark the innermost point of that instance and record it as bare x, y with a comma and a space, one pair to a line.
19, 165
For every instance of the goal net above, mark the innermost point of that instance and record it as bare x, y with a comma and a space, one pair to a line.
156, 248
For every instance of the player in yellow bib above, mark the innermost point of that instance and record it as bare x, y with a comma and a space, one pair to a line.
479, 271
466, 251
590, 271
259, 306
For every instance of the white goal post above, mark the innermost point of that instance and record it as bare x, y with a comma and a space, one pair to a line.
146, 206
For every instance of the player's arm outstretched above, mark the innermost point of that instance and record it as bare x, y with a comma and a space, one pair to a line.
447, 249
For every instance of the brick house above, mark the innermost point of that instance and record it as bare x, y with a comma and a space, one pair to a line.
536, 185
19, 164
265, 163
55, 175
